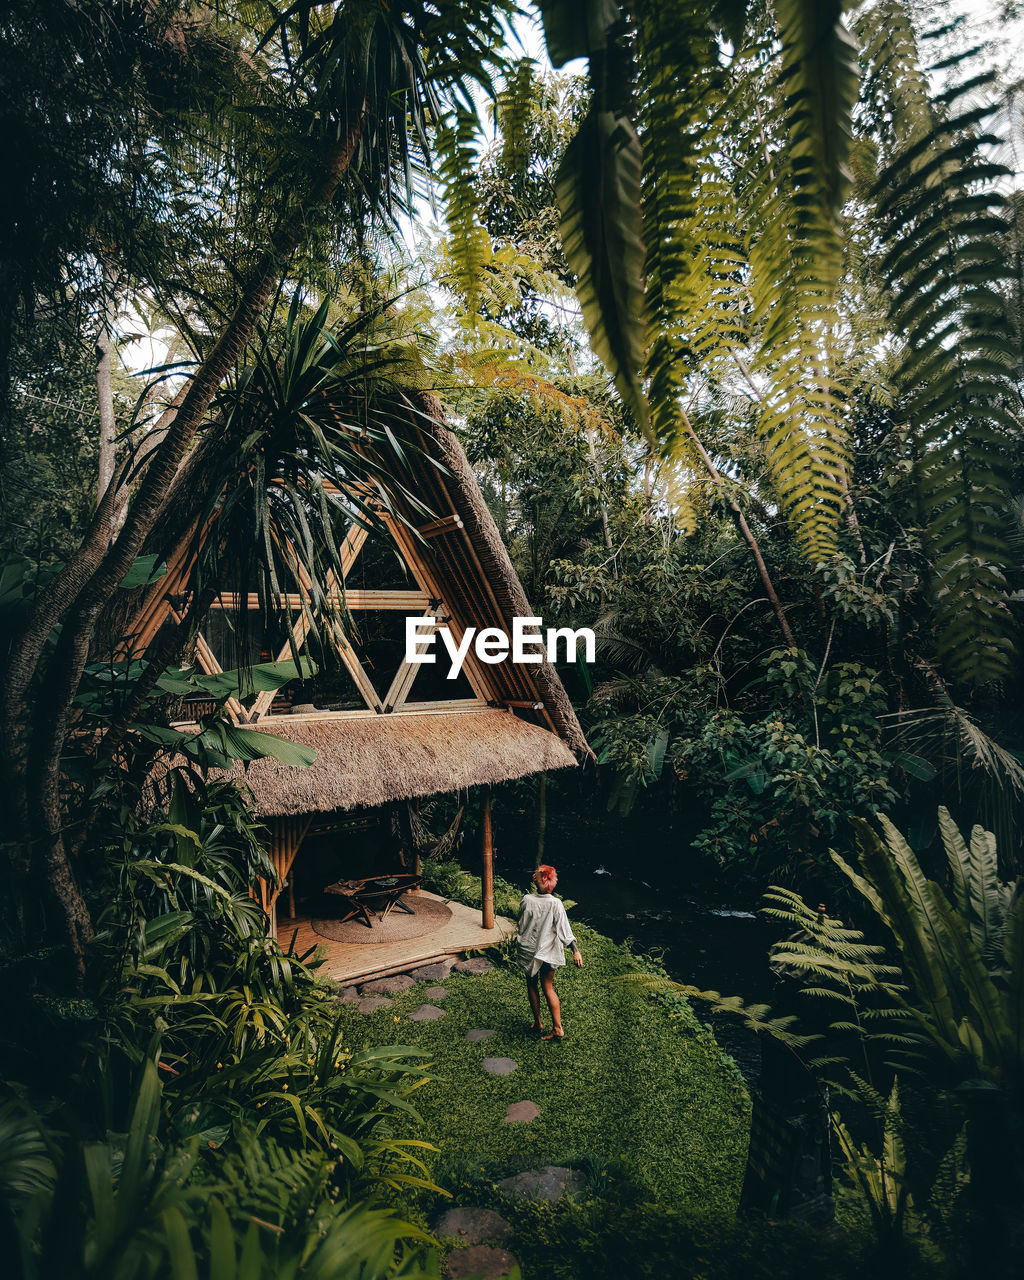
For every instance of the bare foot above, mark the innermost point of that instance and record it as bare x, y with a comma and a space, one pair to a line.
557, 1034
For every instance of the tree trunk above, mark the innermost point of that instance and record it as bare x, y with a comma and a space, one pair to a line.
747, 535
79, 594
105, 400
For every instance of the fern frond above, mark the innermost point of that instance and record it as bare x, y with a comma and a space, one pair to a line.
514, 110
942, 222
469, 246
796, 262
695, 255
757, 1017
598, 189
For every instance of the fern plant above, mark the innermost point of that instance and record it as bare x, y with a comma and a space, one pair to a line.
940, 216
942, 1001
748, 123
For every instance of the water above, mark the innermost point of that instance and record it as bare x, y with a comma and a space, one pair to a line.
635, 882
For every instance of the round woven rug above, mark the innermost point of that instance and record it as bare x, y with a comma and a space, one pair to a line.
395, 927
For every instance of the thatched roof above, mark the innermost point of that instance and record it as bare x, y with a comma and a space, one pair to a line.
370, 760
480, 581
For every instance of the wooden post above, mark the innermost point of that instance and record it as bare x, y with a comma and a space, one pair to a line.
488, 860
542, 817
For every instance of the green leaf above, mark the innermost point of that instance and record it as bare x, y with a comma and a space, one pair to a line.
598, 189
576, 28
252, 744
144, 571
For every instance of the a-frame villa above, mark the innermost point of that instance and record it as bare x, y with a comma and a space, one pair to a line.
386, 731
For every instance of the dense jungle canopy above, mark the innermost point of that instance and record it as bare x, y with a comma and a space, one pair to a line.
724, 302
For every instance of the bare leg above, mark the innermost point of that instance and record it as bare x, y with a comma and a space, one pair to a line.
533, 991
547, 981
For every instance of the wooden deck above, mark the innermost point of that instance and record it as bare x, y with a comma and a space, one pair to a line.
351, 962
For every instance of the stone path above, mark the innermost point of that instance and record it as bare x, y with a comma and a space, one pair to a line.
481, 1262
426, 1013
550, 1183
481, 1230
521, 1112
372, 1003
395, 982
499, 1066
472, 1226
477, 1233
433, 972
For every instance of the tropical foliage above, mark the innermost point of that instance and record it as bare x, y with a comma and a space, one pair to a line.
215, 1120
780, 485
937, 1003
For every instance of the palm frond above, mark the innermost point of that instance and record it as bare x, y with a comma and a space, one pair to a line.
598, 189
598, 192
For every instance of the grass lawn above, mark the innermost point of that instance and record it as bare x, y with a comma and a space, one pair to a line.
640, 1100
633, 1093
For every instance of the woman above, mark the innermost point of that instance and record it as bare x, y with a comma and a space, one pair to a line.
544, 933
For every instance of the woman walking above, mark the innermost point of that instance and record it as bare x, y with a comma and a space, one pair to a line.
544, 933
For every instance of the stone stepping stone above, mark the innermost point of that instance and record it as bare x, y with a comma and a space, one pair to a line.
349, 996
478, 1033
480, 1262
476, 965
521, 1112
433, 972
472, 1226
426, 1013
550, 1183
387, 986
498, 1066
372, 1003
436, 993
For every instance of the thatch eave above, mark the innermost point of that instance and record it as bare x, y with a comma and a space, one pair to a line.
370, 761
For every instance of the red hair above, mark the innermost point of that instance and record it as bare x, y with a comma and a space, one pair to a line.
545, 878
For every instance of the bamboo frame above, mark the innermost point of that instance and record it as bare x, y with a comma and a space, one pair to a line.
401, 686
354, 598
443, 524
286, 836
478, 681
456, 706
428, 598
487, 857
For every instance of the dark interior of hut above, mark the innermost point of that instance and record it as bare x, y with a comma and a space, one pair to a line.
355, 845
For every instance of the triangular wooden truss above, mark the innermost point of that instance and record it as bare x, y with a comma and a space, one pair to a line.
426, 599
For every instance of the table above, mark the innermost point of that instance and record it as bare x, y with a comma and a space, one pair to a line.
379, 894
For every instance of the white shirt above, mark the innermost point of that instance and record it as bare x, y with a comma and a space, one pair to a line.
544, 932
